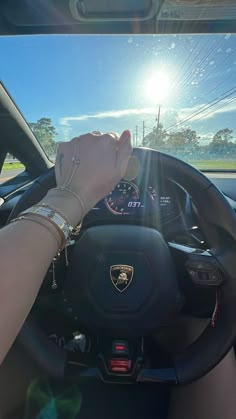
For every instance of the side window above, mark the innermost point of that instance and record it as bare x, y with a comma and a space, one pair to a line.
11, 168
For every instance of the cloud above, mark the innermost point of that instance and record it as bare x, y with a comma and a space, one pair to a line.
206, 137
180, 114
108, 114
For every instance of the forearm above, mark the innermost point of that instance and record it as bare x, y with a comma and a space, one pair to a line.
86, 169
211, 397
31, 247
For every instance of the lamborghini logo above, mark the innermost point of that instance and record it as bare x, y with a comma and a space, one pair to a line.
121, 276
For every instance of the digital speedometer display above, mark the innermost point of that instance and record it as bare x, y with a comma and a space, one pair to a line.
124, 199
144, 195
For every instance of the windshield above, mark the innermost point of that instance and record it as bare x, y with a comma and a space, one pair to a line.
176, 93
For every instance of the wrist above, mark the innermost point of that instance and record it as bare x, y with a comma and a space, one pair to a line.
67, 204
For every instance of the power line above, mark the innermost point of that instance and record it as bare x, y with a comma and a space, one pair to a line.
220, 84
186, 75
218, 66
201, 112
213, 111
186, 78
203, 108
176, 84
209, 53
185, 62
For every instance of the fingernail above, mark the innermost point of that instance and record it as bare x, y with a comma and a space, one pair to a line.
126, 135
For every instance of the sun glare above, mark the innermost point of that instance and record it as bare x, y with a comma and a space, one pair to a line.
157, 87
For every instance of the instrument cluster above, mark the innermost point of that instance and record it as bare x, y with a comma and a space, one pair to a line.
144, 192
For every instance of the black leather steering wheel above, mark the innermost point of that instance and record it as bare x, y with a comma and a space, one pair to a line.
154, 294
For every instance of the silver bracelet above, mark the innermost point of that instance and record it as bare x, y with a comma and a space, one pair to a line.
53, 215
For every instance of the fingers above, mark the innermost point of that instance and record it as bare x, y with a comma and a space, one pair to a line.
123, 143
98, 135
124, 150
110, 133
114, 135
125, 136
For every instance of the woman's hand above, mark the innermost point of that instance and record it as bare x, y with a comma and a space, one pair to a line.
90, 166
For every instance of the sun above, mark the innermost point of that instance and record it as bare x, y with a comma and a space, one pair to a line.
157, 87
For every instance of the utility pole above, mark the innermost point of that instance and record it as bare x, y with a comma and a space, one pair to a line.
136, 136
158, 122
143, 132
133, 138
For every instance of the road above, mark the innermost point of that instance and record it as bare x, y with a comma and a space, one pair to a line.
8, 174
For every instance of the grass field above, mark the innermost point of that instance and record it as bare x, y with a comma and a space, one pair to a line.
214, 164
200, 164
12, 166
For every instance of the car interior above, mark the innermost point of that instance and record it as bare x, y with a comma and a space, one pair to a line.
144, 299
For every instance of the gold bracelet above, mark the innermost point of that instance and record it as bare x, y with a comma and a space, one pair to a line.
62, 236
23, 217
63, 188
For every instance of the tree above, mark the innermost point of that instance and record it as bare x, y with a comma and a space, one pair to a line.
192, 140
222, 140
176, 140
184, 140
156, 138
45, 133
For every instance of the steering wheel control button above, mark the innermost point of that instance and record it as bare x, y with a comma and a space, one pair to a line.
193, 275
203, 273
215, 278
118, 365
120, 348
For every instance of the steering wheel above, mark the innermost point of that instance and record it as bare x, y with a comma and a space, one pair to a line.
145, 261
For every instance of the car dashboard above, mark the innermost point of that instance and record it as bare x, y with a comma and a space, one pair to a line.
144, 195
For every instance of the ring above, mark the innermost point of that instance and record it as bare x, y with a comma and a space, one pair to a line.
76, 160
113, 134
96, 132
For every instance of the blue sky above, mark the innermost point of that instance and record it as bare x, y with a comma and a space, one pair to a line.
86, 83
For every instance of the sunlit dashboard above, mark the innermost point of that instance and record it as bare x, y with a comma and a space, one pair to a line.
126, 199
144, 194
